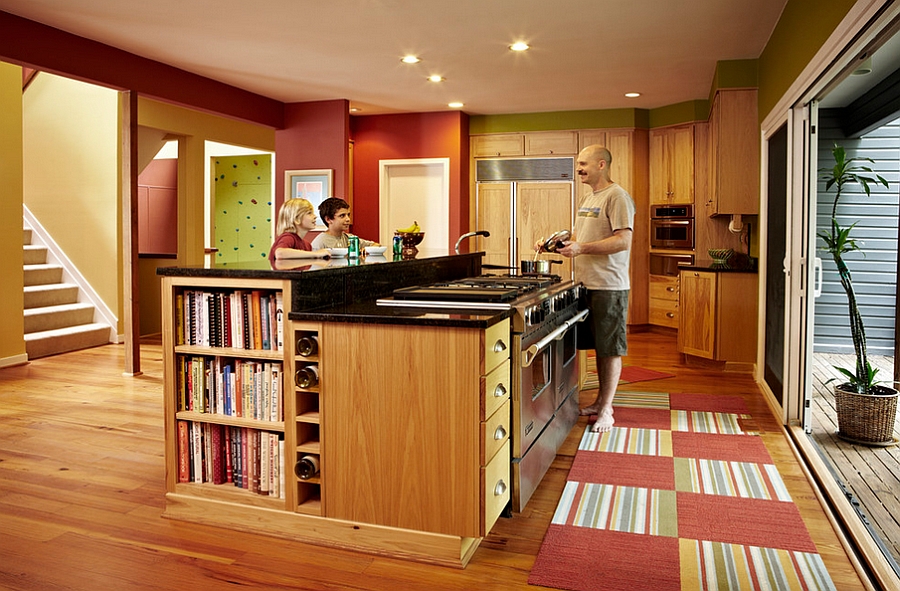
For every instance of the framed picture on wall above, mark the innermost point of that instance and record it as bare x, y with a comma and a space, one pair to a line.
313, 185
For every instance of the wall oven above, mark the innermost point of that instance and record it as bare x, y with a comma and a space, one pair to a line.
672, 226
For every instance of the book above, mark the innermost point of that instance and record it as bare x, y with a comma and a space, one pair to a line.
279, 321
256, 322
184, 452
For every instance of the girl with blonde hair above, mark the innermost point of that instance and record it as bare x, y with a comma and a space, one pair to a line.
295, 218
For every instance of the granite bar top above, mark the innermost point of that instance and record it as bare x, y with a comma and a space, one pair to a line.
734, 264
371, 312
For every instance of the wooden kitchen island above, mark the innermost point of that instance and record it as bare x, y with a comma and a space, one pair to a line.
409, 421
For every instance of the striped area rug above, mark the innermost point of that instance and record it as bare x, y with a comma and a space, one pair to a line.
681, 495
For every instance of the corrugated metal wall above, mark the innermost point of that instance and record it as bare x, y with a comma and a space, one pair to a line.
874, 270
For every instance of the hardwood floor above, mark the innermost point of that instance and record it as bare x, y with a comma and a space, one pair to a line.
81, 492
871, 474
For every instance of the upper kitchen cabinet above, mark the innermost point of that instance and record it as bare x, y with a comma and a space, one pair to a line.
589, 137
734, 154
551, 143
672, 164
500, 144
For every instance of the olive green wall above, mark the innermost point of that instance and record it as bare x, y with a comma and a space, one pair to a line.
12, 324
804, 26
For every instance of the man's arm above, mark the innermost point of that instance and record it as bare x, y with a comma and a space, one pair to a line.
619, 241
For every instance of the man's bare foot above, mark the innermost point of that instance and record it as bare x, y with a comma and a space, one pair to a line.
587, 411
604, 423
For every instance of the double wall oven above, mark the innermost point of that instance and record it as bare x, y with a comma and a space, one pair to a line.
672, 226
545, 319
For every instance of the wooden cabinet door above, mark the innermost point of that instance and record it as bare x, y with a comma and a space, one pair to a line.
551, 143
734, 153
494, 215
697, 305
541, 210
503, 144
589, 137
659, 176
681, 163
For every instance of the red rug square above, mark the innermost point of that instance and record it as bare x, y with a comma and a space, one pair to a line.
587, 559
708, 403
727, 448
750, 522
631, 374
623, 470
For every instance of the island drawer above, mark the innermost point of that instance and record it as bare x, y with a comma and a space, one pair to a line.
496, 345
495, 388
495, 477
494, 433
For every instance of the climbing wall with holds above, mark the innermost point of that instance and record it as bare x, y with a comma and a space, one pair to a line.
243, 208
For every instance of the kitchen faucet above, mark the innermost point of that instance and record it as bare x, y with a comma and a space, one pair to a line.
484, 233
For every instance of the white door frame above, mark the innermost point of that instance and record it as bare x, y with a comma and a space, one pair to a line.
384, 190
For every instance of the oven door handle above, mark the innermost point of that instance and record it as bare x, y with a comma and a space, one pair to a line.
529, 354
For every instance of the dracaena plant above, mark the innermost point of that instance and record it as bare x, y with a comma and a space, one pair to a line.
838, 242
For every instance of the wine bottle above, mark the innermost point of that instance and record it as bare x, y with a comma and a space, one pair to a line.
307, 345
307, 467
307, 377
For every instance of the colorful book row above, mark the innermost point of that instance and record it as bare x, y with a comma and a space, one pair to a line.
230, 387
239, 319
245, 458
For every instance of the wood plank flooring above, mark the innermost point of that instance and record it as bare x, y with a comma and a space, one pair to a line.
81, 492
871, 474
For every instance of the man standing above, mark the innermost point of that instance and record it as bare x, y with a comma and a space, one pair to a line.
601, 249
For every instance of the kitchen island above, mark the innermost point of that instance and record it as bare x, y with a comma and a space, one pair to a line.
408, 419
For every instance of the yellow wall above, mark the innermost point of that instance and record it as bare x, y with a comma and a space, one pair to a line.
12, 326
71, 157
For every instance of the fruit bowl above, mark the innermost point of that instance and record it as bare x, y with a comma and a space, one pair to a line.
720, 255
410, 240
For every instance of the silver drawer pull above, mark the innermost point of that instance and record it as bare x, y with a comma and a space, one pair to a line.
500, 488
500, 433
670, 314
670, 289
499, 346
500, 391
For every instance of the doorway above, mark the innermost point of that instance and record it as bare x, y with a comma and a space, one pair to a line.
416, 190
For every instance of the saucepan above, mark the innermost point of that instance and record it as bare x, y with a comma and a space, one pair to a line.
555, 241
541, 267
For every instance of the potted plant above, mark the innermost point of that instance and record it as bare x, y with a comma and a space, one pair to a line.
866, 409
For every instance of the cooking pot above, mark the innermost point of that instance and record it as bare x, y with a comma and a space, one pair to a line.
541, 267
556, 241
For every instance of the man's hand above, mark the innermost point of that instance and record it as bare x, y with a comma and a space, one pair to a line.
571, 249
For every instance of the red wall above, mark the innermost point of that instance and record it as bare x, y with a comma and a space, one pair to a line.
416, 135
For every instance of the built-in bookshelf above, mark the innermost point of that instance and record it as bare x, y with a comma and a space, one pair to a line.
225, 385
306, 388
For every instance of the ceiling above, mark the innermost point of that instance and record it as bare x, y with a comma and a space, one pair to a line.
585, 54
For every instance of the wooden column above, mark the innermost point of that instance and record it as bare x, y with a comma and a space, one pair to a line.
130, 288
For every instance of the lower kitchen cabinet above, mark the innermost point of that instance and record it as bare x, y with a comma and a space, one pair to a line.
718, 315
664, 300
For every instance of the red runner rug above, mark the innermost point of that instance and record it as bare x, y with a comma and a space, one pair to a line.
680, 495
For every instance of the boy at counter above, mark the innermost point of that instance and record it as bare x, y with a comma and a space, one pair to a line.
295, 219
335, 212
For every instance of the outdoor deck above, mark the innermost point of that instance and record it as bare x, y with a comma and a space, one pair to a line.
871, 474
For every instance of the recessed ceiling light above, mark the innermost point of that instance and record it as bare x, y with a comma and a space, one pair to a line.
436, 78
455, 105
410, 59
519, 46
632, 94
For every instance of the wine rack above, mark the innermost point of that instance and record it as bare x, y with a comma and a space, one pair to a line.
307, 368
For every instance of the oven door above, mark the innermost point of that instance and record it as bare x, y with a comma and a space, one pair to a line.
537, 397
566, 359
672, 234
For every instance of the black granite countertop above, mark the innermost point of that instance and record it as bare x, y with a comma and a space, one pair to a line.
732, 265
371, 312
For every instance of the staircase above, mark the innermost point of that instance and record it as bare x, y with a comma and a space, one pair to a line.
55, 320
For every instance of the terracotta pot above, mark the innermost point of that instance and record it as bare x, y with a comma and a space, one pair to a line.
864, 418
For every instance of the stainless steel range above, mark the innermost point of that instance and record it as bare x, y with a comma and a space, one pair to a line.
544, 325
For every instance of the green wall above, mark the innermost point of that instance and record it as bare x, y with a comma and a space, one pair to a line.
804, 26
243, 197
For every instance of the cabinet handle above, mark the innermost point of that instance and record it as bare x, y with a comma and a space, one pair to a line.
500, 391
670, 314
500, 433
499, 346
670, 288
499, 488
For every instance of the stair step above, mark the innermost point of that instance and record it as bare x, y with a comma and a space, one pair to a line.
35, 255
50, 294
51, 342
54, 317
26, 239
42, 274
